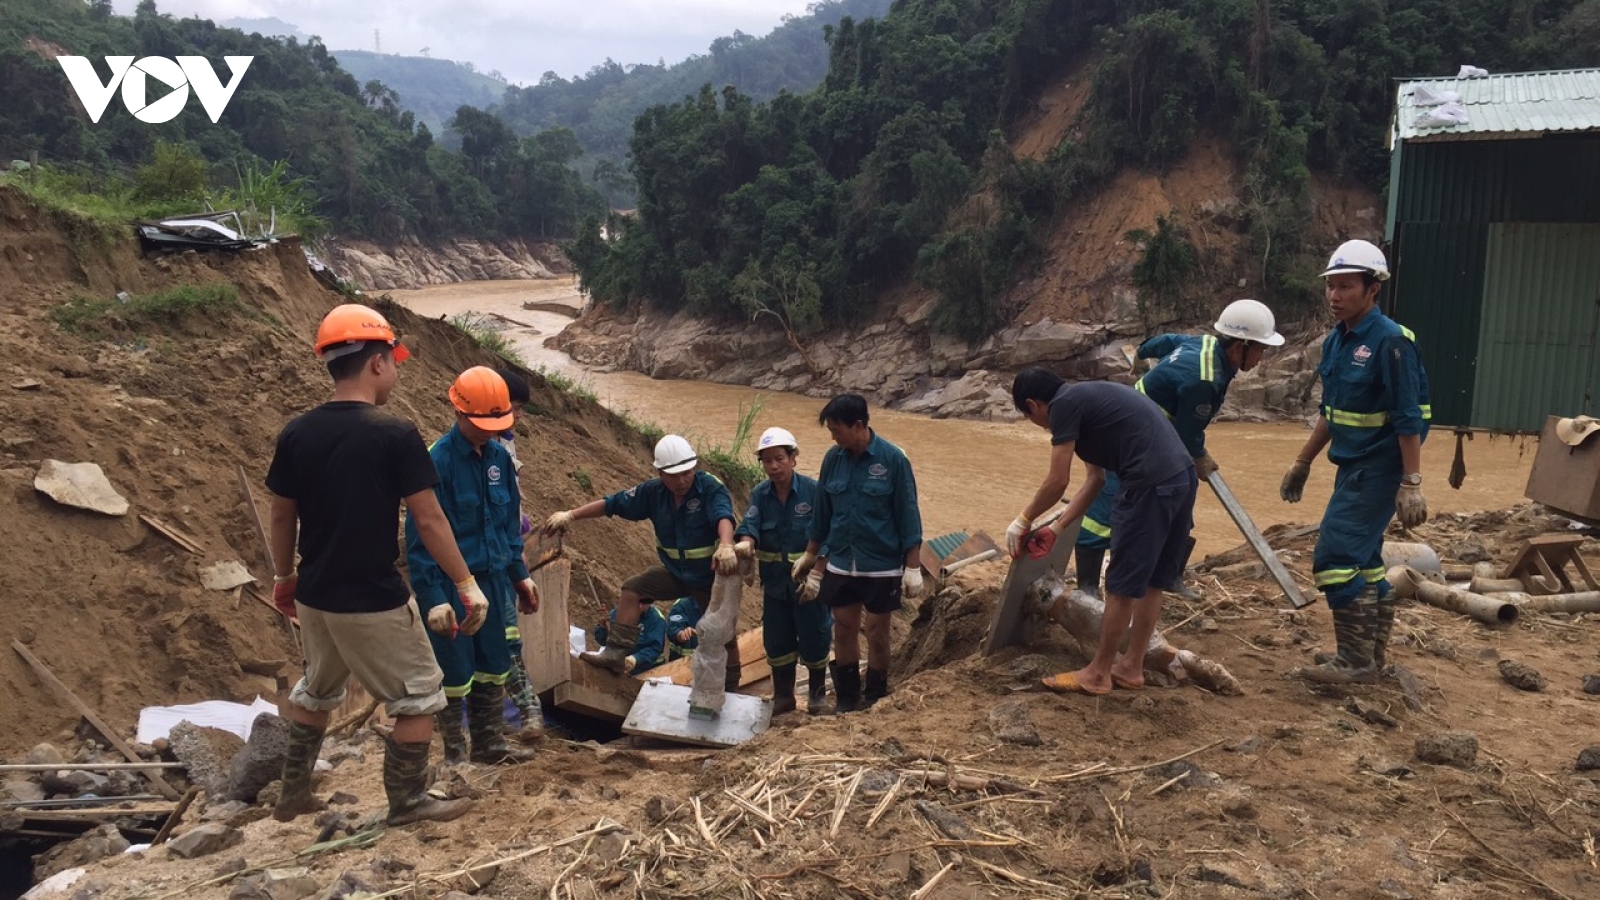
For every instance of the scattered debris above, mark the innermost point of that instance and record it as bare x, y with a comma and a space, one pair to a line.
204, 840
83, 485
1521, 675
225, 575
1012, 723
1449, 748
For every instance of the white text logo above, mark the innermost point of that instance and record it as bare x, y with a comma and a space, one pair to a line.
186, 72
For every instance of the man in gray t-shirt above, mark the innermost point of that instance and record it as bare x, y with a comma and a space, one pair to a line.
1112, 427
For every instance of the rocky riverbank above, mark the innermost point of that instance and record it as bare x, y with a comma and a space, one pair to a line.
412, 264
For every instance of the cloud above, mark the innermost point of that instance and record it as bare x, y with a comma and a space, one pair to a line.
521, 39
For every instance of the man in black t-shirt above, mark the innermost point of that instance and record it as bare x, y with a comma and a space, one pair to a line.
338, 477
1112, 427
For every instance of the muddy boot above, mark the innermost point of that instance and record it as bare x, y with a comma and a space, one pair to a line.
486, 719
846, 687
1352, 664
447, 722
1382, 624
621, 641
1367, 600
816, 689
734, 668
783, 689
525, 700
877, 686
305, 742
405, 781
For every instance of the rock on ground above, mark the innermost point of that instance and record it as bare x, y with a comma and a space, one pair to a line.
1589, 759
93, 845
204, 839
207, 754
261, 761
1521, 675
1011, 723
1449, 748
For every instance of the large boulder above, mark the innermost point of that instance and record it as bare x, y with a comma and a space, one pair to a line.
261, 761
207, 754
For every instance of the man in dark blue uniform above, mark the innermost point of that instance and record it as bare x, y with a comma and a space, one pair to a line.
774, 533
1189, 384
1113, 428
1375, 414
693, 518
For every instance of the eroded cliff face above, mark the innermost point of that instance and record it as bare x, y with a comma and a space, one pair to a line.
411, 263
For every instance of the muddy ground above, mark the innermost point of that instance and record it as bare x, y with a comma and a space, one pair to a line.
968, 769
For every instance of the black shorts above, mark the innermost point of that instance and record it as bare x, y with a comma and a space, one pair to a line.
878, 595
1149, 534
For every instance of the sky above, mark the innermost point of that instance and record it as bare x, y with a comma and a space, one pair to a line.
522, 39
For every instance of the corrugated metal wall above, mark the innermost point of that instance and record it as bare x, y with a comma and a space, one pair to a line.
1444, 202
1540, 325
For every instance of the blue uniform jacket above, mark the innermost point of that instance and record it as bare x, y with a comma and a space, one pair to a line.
686, 534
867, 513
651, 649
1373, 388
1189, 383
685, 613
781, 531
478, 492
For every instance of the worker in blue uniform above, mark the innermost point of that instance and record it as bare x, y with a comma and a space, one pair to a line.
650, 650
1189, 383
478, 491
1375, 416
774, 532
693, 518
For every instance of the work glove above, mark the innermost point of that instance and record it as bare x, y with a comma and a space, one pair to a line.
527, 596
1204, 465
442, 620
474, 602
812, 586
911, 583
1040, 543
283, 588
725, 560
1411, 506
558, 522
1017, 535
628, 664
804, 564
745, 549
1294, 481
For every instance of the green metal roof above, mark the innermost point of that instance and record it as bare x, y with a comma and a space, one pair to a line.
1516, 104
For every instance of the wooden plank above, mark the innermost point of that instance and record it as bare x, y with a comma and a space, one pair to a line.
1009, 616
172, 534
87, 767
752, 658
574, 697
545, 651
83, 709
78, 815
290, 624
177, 815
1253, 537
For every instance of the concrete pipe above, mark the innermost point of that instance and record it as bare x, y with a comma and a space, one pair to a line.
1408, 582
1584, 601
948, 569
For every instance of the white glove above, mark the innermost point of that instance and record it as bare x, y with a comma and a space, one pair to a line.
725, 560
1016, 534
911, 583
802, 566
558, 522
812, 586
475, 603
745, 549
442, 620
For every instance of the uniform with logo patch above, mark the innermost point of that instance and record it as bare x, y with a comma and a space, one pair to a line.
792, 632
1189, 383
686, 535
478, 492
1373, 388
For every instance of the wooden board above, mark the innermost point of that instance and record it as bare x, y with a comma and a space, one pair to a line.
662, 711
1006, 627
752, 660
596, 692
1253, 537
545, 651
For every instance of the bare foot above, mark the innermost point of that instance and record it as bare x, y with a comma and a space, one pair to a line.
1122, 679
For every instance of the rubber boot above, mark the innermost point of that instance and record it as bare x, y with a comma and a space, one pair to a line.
486, 720
877, 686
783, 689
817, 689
305, 742
1352, 664
1367, 600
405, 781
1382, 625
525, 700
621, 641
846, 687
734, 669
447, 722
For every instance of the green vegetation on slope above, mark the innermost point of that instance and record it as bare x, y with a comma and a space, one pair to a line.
430, 89
371, 168
897, 165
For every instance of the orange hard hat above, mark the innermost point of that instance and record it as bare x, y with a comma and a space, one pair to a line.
345, 329
481, 395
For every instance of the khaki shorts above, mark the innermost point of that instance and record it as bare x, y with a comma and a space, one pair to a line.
388, 652
656, 583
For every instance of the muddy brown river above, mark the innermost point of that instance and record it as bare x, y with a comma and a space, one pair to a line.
970, 474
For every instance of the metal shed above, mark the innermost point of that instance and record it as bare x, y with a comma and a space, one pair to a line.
1494, 235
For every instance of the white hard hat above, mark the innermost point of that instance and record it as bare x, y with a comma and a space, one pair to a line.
1358, 256
1249, 320
674, 455
777, 437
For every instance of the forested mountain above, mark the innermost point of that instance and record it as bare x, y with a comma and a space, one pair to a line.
899, 166
430, 89
366, 165
601, 105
